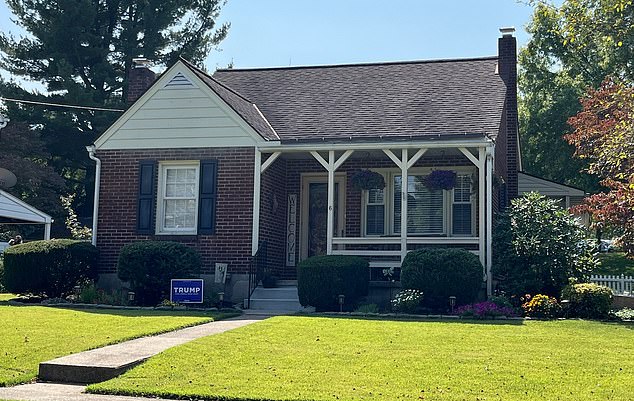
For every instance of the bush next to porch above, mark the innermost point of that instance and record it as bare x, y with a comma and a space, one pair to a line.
441, 273
538, 247
150, 265
51, 267
321, 279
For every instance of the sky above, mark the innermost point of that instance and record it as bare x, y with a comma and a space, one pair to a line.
273, 33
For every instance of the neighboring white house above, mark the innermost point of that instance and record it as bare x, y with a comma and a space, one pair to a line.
568, 196
16, 211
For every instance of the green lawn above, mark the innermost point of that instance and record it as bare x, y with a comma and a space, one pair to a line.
615, 264
33, 334
316, 358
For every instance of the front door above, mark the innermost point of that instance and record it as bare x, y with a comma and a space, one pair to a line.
315, 213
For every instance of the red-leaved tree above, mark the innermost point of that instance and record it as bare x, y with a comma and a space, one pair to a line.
604, 135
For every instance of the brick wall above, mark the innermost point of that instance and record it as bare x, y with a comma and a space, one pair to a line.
118, 205
273, 211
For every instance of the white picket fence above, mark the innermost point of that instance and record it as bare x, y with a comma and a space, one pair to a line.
620, 285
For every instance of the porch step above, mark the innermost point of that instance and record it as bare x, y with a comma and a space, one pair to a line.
278, 299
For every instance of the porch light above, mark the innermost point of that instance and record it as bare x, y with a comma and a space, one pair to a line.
452, 303
131, 295
77, 290
341, 301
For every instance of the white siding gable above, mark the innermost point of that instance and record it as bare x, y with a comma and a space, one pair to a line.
178, 111
13, 208
527, 183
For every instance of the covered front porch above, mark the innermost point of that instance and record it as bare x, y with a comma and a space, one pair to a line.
305, 203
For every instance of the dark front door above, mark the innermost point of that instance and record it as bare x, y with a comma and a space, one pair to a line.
318, 217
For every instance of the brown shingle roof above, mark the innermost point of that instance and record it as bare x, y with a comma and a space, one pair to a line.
363, 101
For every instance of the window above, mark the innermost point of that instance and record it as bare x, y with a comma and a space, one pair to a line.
462, 206
178, 198
425, 208
375, 212
429, 213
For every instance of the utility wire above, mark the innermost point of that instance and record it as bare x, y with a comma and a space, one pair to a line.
68, 106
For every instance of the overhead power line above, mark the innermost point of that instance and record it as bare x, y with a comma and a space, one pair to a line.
68, 106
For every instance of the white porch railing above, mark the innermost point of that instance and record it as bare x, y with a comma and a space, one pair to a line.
620, 285
339, 244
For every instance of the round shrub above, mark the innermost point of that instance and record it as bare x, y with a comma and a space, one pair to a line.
321, 279
150, 265
441, 273
51, 267
589, 300
542, 306
408, 301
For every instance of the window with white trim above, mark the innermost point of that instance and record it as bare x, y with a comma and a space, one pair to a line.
429, 212
462, 206
425, 207
375, 212
178, 198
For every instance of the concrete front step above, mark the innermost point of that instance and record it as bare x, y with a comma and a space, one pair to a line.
278, 299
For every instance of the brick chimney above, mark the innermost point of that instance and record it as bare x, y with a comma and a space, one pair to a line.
140, 78
507, 69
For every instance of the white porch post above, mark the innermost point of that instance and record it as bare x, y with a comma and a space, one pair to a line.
489, 219
331, 201
47, 230
481, 208
255, 235
404, 185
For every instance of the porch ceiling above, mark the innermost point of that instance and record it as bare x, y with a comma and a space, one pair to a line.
374, 154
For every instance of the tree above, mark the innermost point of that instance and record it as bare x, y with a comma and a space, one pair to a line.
572, 47
81, 51
604, 136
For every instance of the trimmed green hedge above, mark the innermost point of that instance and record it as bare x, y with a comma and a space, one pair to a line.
321, 279
589, 300
441, 273
51, 267
150, 265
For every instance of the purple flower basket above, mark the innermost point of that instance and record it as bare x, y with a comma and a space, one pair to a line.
441, 179
367, 179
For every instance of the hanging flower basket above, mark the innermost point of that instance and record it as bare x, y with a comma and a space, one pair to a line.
441, 179
367, 179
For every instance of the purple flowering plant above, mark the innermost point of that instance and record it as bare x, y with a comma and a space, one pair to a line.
367, 179
441, 179
485, 310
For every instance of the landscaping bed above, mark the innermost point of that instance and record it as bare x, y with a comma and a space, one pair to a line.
30, 335
320, 358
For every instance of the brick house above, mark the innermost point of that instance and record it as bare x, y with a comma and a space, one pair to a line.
230, 161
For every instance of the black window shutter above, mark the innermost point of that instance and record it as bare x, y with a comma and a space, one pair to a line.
207, 197
147, 195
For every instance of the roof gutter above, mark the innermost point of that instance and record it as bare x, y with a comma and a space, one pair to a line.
95, 209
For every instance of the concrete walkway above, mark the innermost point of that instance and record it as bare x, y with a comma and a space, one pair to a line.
108, 362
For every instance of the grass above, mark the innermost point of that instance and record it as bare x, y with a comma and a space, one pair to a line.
317, 358
33, 334
615, 264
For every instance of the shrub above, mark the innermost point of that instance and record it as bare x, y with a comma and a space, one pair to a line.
589, 300
408, 301
150, 265
538, 247
51, 267
368, 308
321, 279
441, 273
625, 314
542, 306
485, 310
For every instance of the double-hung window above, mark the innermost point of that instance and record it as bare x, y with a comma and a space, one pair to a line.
178, 198
429, 212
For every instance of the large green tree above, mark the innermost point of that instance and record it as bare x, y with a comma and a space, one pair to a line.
81, 52
573, 47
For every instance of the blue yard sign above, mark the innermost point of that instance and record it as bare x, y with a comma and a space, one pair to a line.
187, 291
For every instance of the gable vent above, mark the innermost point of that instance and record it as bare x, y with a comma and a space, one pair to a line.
180, 81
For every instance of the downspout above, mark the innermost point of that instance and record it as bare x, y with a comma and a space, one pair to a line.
95, 209
489, 218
